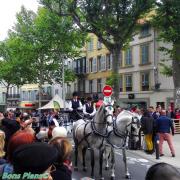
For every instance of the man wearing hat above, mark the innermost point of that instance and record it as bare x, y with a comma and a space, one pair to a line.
74, 106
89, 109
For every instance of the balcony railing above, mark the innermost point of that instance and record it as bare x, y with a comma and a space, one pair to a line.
44, 97
80, 70
13, 96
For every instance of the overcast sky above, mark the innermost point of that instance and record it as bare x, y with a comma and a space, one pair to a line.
8, 10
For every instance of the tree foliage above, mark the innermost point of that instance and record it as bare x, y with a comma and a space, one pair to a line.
37, 46
113, 22
167, 20
51, 39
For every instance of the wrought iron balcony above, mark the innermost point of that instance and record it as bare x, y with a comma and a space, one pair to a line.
13, 96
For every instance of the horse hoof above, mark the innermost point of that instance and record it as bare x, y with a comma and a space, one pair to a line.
128, 176
84, 169
75, 168
101, 178
112, 178
106, 168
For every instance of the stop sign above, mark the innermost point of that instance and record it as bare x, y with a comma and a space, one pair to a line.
107, 90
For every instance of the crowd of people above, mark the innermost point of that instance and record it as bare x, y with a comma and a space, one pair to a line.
34, 146
33, 153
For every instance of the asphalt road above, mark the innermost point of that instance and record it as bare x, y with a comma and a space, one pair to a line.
136, 164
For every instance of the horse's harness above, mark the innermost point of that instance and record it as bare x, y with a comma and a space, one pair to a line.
122, 135
94, 130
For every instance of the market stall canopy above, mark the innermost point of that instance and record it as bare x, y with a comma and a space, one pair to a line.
55, 103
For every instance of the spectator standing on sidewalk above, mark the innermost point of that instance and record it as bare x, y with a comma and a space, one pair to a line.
170, 112
147, 125
153, 113
163, 125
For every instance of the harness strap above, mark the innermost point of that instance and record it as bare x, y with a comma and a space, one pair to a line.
85, 135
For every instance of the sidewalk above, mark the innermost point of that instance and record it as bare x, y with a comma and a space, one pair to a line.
175, 161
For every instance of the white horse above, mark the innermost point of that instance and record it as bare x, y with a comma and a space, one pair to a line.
91, 134
125, 127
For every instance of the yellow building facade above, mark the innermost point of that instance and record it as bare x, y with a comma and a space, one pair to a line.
98, 65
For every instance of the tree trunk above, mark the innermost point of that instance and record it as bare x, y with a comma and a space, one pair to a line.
6, 97
40, 90
176, 73
40, 94
116, 53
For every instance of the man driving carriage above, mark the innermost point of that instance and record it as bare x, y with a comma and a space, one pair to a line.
75, 106
89, 109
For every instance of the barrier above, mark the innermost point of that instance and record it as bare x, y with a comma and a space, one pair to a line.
176, 126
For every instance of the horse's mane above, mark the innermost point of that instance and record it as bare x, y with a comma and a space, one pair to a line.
125, 112
99, 112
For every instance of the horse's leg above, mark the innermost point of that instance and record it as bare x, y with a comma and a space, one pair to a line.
128, 176
84, 158
92, 162
113, 163
106, 157
76, 157
101, 151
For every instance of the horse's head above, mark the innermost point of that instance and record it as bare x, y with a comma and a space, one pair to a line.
128, 122
105, 112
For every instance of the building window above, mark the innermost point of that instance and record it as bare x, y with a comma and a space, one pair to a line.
32, 95
68, 89
99, 85
91, 65
49, 90
99, 45
75, 86
94, 65
121, 83
3, 97
101, 63
23, 95
108, 61
128, 57
121, 59
90, 86
144, 31
90, 45
29, 95
57, 91
81, 85
144, 53
145, 81
128, 79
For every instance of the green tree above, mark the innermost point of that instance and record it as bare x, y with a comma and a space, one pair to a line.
12, 66
51, 38
113, 22
167, 20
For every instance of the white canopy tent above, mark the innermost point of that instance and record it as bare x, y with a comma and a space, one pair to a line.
55, 103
